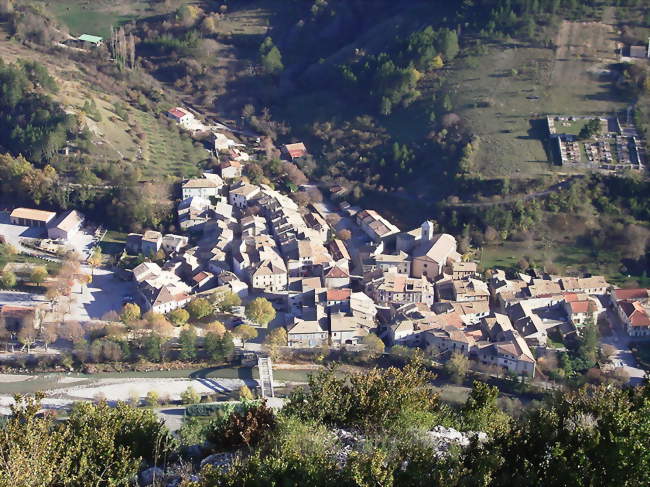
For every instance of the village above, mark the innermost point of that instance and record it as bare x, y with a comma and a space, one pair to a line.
335, 276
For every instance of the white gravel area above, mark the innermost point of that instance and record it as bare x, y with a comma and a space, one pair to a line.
15, 378
122, 390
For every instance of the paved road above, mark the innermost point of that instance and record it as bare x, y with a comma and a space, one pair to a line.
621, 342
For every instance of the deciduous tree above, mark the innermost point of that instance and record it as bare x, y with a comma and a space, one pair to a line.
8, 279
199, 308
245, 332
187, 342
179, 316
457, 367
260, 311
130, 313
374, 345
38, 275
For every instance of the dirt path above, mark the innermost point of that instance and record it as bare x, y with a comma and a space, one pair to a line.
577, 41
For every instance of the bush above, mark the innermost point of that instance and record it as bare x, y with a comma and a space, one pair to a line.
190, 396
245, 428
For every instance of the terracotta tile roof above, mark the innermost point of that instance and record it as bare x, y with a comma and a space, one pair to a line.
32, 214
640, 293
338, 294
570, 297
336, 273
200, 276
177, 112
228, 164
636, 313
16, 311
151, 236
201, 183
296, 150
579, 306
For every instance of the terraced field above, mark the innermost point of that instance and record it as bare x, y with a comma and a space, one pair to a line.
167, 151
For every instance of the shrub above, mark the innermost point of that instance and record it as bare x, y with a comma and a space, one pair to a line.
245, 428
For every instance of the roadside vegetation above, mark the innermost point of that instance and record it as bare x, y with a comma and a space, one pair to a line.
385, 427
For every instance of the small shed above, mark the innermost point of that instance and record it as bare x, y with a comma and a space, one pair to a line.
295, 151
90, 39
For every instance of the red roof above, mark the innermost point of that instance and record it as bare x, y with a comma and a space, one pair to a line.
579, 306
296, 150
635, 312
200, 276
226, 164
177, 113
338, 294
570, 297
640, 293
336, 272
16, 311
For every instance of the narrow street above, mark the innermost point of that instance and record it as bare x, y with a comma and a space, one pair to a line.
621, 342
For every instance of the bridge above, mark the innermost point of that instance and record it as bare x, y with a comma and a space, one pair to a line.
266, 376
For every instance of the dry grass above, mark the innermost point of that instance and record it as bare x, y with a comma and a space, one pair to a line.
499, 94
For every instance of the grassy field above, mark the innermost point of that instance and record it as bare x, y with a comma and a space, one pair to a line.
113, 242
165, 150
502, 94
96, 16
567, 258
52, 267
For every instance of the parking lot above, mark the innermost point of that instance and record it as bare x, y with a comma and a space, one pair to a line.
13, 233
105, 293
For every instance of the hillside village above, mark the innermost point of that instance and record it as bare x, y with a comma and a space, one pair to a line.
411, 288
324, 243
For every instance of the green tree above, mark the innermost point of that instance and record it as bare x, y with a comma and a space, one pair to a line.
457, 367
374, 345
581, 438
32, 450
588, 344
591, 129
128, 432
260, 311
272, 61
192, 431
179, 316
245, 332
245, 393
190, 396
152, 399
374, 399
8, 280
199, 308
481, 413
274, 340
218, 347
449, 43
188, 15
130, 313
38, 275
405, 354
229, 301
152, 346
187, 342
96, 258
